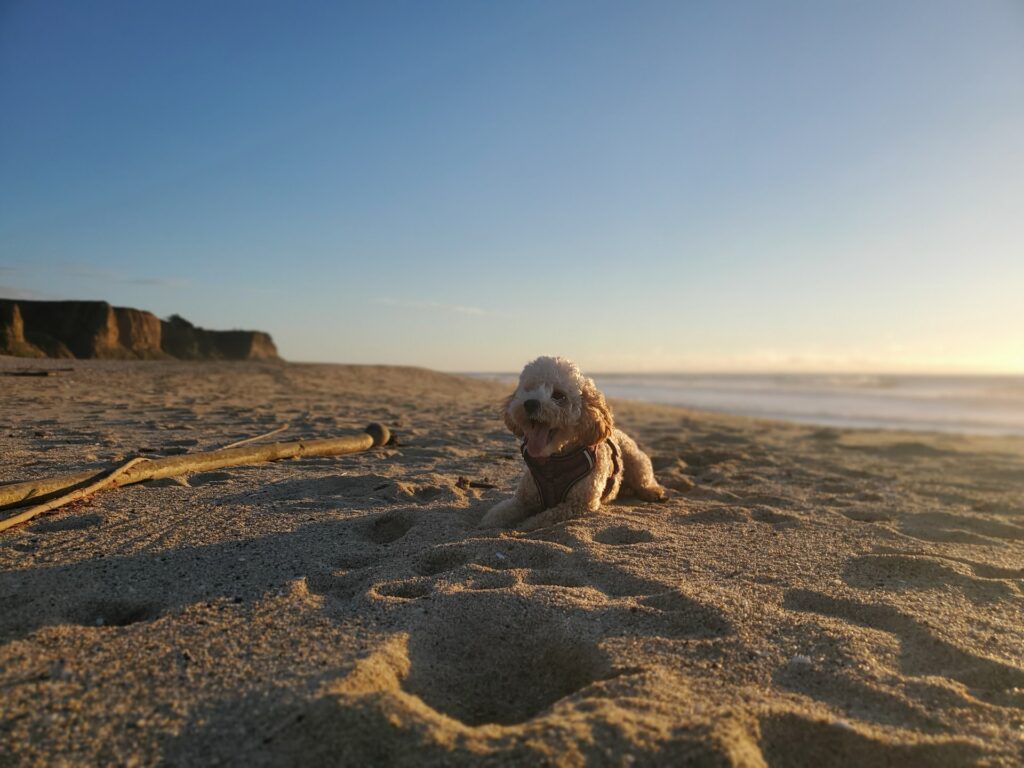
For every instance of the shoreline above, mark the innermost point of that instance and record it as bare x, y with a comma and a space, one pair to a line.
970, 405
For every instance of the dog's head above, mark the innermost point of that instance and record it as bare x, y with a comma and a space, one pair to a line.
556, 408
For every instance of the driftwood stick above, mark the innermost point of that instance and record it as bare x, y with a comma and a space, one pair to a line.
19, 494
67, 498
248, 440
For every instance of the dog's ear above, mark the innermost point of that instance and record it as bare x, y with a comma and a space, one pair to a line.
512, 426
596, 421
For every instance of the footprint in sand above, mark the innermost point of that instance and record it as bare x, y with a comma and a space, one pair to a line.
389, 527
899, 572
680, 615
340, 584
715, 515
797, 739
923, 653
961, 528
643, 606
980, 570
112, 612
442, 558
988, 571
498, 554
865, 515
773, 517
646, 607
839, 688
404, 589
469, 648
619, 535
455, 659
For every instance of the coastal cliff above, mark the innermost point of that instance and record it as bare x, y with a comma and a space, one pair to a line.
95, 329
185, 341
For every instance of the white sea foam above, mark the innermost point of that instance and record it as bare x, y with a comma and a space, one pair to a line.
966, 404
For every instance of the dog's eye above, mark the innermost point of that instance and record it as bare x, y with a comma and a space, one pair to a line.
558, 395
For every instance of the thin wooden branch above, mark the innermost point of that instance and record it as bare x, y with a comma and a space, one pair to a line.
19, 494
248, 440
81, 493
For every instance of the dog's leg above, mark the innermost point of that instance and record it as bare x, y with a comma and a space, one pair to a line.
550, 516
508, 512
504, 514
580, 503
637, 472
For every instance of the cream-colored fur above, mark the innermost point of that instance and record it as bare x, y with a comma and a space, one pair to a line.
567, 412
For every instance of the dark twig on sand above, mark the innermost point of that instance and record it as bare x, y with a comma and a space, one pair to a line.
36, 372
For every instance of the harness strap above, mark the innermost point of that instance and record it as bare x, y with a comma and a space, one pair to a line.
555, 476
616, 468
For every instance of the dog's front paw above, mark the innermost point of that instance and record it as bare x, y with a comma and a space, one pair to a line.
532, 524
501, 515
652, 493
489, 520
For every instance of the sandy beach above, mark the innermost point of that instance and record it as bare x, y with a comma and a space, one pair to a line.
807, 596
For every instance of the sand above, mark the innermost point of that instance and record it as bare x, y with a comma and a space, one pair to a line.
806, 596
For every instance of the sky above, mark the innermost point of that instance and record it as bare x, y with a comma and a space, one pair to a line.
640, 186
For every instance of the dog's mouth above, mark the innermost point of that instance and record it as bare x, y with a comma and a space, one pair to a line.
538, 436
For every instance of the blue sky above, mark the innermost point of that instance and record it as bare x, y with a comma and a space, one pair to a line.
640, 186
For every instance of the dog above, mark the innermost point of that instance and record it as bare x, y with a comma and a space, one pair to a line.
575, 457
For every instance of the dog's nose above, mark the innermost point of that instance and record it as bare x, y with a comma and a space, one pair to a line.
531, 406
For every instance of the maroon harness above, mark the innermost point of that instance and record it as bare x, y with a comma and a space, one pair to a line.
556, 475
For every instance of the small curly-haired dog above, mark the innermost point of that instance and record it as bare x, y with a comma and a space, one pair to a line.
575, 457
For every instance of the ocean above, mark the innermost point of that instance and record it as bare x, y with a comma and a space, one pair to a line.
986, 405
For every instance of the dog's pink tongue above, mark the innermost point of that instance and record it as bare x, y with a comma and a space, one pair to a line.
536, 440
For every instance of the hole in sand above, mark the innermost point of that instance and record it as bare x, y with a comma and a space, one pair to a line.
717, 515
772, 517
350, 561
682, 615
481, 580
390, 527
559, 578
838, 743
441, 559
623, 534
521, 554
485, 658
405, 590
343, 585
113, 613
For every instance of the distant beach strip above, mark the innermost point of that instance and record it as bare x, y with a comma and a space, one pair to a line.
979, 405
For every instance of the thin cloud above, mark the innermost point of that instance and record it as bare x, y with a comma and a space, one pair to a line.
163, 282
89, 272
435, 306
